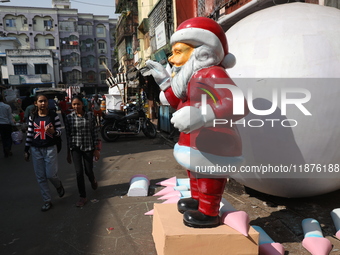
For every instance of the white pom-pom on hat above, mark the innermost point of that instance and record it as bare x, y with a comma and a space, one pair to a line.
229, 61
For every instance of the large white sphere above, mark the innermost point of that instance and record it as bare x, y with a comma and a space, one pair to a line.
294, 45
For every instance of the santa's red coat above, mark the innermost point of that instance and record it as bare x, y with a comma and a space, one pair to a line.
221, 140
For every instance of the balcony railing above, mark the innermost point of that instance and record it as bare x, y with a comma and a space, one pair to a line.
29, 79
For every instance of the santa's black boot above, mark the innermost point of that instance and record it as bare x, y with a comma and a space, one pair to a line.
190, 203
210, 195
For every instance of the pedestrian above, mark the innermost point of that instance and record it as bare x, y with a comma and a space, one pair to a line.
96, 109
26, 101
43, 127
52, 105
6, 122
85, 102
29, 109
64, 106
83, 145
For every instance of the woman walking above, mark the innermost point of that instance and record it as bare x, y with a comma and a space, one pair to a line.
82, 145
43, 127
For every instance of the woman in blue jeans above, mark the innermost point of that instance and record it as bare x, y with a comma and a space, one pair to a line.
82, 145
43, 126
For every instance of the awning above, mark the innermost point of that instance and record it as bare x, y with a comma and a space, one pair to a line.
144, 26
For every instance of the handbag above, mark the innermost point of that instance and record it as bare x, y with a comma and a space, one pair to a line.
17, 137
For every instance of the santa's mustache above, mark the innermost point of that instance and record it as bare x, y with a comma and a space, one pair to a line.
176, 69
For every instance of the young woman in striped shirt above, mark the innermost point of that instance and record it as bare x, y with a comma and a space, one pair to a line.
43, 126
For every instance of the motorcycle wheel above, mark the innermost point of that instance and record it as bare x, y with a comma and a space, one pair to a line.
149, 129
109, 127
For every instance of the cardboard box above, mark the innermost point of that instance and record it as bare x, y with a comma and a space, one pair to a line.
172, 237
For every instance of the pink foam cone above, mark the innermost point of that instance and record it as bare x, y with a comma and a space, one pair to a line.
174, 193
172, 200
338, 234
149, 212
164, 191
271, 249
317, 245
238, 220
172, 182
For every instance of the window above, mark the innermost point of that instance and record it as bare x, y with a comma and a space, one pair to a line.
71, 42
84, 63
100, 31
10, 23
72, 77
47, 23
49, 42
34, 22
87, 45
91, 77
40, 68
27, 39
85, 29
67, 26
20, 69
71, 60
102, 77
102, 60
101, 46
25, 21
3, 61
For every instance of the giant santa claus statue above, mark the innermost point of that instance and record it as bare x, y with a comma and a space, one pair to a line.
196, 90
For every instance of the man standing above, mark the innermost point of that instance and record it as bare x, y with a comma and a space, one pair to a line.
199, 58
26, 101
52, 105
6, 122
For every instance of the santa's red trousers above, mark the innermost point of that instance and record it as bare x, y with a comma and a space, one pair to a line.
208, 192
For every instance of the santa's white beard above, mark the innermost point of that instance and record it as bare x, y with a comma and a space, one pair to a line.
201, 57
182, 75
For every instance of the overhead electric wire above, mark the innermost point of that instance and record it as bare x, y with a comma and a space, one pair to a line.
92, 4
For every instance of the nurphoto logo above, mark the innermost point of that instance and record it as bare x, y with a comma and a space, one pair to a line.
238, 106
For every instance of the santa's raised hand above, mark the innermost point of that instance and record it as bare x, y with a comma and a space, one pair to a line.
159, 73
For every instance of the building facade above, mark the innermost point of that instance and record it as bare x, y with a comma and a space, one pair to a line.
30, 67
80, 44
6, 43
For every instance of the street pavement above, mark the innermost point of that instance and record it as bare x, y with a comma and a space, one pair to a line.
113, 223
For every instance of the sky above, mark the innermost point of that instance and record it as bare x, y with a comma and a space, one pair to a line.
97, 7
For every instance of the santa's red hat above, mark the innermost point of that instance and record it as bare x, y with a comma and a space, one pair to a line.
203, 31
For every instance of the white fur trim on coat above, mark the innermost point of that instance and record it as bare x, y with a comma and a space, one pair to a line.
199, 162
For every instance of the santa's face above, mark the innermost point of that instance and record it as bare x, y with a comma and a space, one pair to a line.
181, 53
182, 62
186, 60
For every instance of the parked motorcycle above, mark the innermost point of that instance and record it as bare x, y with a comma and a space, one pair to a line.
129, 122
